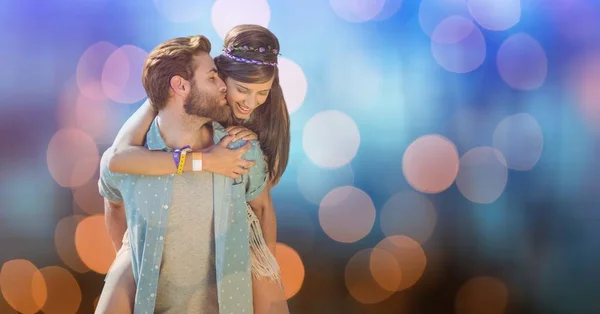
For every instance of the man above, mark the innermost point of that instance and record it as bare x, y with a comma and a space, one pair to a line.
189, 233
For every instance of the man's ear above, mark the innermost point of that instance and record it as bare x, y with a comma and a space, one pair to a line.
179, 86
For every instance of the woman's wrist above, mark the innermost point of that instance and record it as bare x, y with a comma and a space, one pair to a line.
206, 159
200, 161
187, 167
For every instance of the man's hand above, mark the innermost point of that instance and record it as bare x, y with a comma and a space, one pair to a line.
228, 162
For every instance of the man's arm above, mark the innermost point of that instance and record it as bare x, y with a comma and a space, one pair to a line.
116, 222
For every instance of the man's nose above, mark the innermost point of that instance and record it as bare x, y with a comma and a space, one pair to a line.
221, 85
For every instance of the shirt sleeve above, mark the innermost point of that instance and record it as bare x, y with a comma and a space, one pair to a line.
107, 184
257, 176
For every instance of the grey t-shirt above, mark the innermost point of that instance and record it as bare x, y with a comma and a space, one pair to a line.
187, 282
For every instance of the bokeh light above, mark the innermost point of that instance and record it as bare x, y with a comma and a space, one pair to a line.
330, 138
66, 113
585, 79
385, 269
458, 45
90, 68
390, 8
495, 15
75, 110
522, 63
23, 286
357, 11
72, 157
293, 83
92, 116
519, 137
408, 213
347, 214
228, 13
482, 295
430, 163
433, 12
121, 74
410, 257
315, 182
87, 197
292, 269
360, 282
64, 293
483, 174
93, 244
64, 240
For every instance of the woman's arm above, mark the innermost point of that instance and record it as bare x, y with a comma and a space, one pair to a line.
263, 207
129, 154
132, 158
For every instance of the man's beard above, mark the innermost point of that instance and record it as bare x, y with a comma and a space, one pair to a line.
206, 105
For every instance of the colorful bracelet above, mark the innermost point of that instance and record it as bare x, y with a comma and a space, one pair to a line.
178, 154
182, 159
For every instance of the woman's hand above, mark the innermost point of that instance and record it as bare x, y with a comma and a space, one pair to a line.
240, 132
228, 162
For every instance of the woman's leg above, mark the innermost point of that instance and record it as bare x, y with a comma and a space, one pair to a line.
268, 296
267, 289
118, 294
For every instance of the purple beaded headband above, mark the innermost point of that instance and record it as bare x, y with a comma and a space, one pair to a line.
228, 50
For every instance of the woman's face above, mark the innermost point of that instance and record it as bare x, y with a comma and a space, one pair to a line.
244, 98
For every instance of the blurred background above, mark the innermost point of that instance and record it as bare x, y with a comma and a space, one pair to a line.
443, 155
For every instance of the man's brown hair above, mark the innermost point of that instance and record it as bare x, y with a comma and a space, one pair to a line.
170, 58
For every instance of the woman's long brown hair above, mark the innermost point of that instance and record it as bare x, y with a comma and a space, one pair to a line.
271, 120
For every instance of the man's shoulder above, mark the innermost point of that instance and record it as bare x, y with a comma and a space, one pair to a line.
105, 166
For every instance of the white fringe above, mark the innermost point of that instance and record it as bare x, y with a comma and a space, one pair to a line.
263, 263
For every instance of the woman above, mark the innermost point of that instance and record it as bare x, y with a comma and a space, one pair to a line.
248, 65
